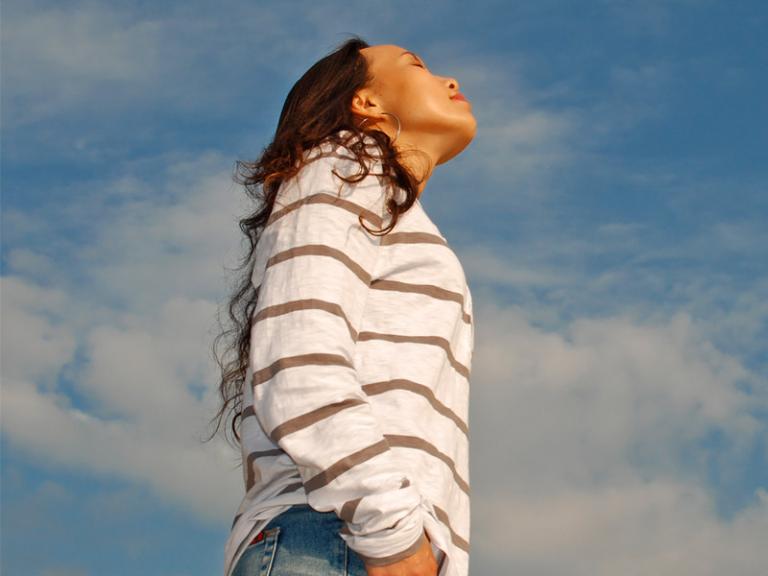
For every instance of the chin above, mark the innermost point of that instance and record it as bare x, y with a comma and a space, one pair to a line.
472, 129
461, 139
456, 136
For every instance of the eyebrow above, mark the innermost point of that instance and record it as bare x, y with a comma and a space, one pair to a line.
412, 54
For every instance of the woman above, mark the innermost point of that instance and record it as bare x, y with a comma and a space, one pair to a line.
353, 344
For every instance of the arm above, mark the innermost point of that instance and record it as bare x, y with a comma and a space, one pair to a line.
307, 395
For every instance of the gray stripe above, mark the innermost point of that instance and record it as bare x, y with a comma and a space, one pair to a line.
314, 358
253, 475
411, 238
433, 340
295, 487
347, 512
403, 441
235, 521
305, 304
426, 289
305, 420
426, 391
321, 250
345, 464
430, 290
331, 200
263, 453
458, 541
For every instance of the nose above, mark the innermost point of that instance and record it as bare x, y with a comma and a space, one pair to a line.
453, 83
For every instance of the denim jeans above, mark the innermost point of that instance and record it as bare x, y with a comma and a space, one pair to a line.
301, 542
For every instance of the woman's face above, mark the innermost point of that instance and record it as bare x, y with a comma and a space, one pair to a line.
431, 119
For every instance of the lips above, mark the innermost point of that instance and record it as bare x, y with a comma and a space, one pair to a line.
459, 96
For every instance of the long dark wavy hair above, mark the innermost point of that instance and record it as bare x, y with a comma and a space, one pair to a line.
316, 109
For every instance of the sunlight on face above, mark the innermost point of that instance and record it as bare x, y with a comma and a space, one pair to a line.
403, 85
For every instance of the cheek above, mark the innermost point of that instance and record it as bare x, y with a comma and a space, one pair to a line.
421, 102
406, 97
435, 110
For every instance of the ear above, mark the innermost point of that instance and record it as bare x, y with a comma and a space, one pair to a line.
364, 104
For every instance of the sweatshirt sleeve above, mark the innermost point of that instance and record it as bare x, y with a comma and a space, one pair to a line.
307, 394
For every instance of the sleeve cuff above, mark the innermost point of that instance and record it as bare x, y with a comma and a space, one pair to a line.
396, 557
376, 539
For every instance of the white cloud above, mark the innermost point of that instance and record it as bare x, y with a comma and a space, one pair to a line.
601, 395
661, 526
578, 436
147, 384
35, 342
166, 456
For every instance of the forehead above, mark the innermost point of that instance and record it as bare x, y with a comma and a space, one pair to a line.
382, 55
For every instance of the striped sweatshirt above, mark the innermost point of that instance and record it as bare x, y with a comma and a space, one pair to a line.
357, 391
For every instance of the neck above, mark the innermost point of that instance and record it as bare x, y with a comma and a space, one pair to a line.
419, 160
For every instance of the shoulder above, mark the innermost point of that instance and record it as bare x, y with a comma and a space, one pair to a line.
327, 167
337, 151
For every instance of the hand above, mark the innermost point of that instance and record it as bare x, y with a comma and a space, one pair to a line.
421, 563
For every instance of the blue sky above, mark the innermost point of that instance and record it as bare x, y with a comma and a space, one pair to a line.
610, 216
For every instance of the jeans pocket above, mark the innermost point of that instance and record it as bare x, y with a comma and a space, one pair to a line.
257, 558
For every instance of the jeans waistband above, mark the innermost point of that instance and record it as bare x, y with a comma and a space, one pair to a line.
294, 509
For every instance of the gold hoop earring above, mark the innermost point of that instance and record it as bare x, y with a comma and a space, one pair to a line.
390, 114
